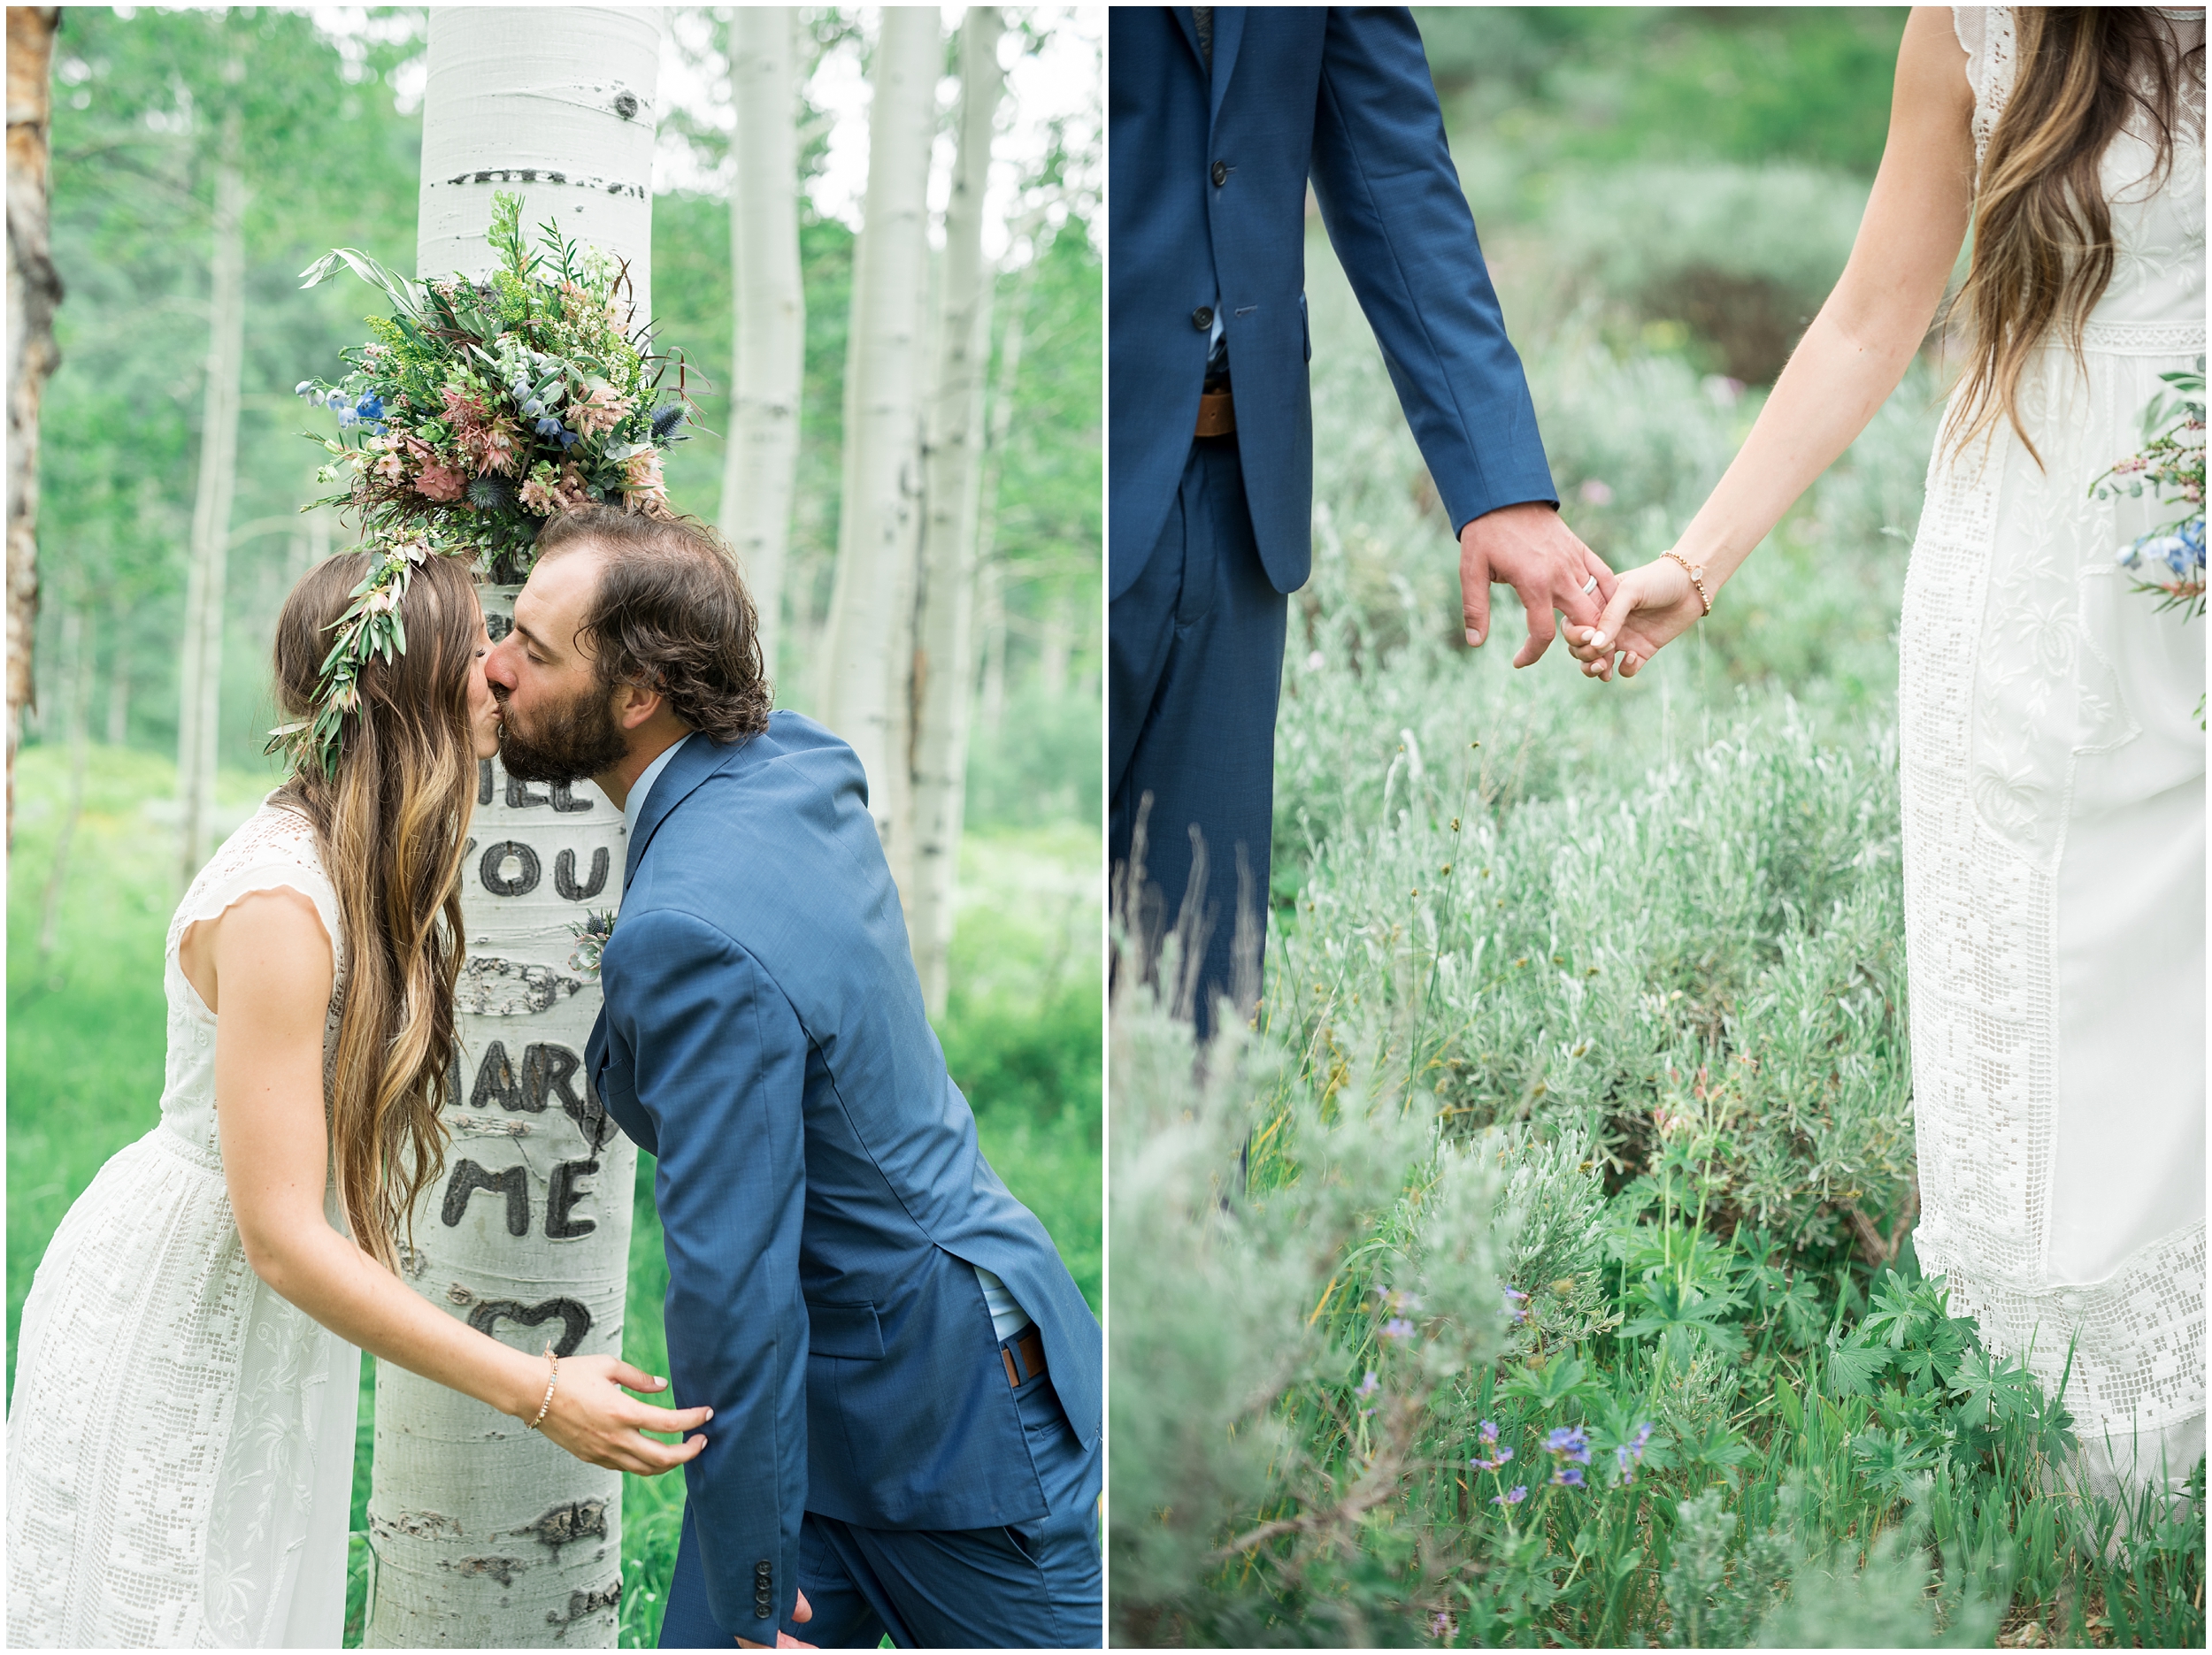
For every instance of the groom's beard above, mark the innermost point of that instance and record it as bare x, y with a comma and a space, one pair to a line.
576, 741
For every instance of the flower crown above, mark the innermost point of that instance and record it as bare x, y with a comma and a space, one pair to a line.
474, 413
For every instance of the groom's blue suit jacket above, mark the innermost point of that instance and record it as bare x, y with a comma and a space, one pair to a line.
820, 1190
1207, 211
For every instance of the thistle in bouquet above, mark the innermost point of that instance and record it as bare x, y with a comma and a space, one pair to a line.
477, 410
2169, 561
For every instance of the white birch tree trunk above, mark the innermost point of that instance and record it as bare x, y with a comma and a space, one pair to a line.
944, 660
199, 705
767, 374
990, 573
485, 1534
883, 374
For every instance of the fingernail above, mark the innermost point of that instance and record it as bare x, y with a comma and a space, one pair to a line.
1474, 638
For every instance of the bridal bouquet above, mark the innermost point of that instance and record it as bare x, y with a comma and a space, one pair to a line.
479, 410
2169, 560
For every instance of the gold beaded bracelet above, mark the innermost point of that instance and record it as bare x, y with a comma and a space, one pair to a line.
1696, 573
552, 1380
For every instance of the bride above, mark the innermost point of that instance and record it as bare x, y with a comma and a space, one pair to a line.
180, 1437
2053, 767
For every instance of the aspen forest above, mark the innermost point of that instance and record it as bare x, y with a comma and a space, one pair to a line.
870, 243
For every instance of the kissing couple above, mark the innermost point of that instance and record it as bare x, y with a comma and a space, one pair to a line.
890, 1384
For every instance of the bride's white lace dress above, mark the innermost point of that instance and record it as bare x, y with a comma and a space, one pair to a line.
2054, 847
180, 1439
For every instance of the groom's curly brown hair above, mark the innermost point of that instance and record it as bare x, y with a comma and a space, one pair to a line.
672, 614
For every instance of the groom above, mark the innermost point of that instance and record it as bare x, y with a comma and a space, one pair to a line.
905, 1380
1218, 119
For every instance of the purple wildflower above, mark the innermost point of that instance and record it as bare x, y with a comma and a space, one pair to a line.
1568, 1476
1489, 1432
1516, 1303
1630, 1454
1367, 1386
1569, 1441
1512, 1497
1397, 1328
1504, 1454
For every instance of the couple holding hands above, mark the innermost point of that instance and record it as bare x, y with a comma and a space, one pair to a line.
2052, 785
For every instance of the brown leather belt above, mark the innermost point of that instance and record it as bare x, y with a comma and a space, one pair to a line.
1029, 1347
1216, 414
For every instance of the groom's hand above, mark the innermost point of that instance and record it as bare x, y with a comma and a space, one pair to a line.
1527, 547
802, 1611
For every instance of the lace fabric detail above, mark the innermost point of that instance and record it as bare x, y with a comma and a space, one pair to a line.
179, 1453
2043, 708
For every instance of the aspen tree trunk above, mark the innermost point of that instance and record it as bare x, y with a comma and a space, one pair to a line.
944, 660
990, 573
119, 676
76, 652
33, 290
768, 372
485, 1534
200, 702
883, 372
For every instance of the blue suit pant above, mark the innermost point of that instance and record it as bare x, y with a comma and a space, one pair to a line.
1195, 668
1022, 1586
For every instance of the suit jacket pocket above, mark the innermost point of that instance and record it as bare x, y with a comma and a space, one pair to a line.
849, 1330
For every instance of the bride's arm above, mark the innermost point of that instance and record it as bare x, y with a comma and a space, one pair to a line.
1850, 359
269, 960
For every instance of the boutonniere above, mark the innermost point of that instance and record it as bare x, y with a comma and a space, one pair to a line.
591, 933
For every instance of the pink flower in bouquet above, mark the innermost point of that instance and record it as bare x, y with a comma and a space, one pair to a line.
571, 491
491, 446
642, 478
440, 482
391, 464
599, 409
537, 493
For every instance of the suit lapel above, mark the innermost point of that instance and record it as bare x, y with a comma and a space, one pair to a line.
1228, 35
1188, 25
701, 757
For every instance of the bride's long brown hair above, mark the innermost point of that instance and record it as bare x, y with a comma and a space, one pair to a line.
390, 825
2043, 250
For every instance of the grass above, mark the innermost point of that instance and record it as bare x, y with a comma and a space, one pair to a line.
1596, 993
87, 1037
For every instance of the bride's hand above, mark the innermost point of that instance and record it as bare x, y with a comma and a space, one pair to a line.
593, 1420
1650, 608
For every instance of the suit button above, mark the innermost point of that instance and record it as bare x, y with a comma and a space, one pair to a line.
1202, 317
1221, 173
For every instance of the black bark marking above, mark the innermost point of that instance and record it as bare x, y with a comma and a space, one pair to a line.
519, 797
502, 1569
526, 879
498, 626
483, 787
558, 1225
468, 1178
496, 1083
578, 1520
567, 801
591, 1117
565, 875
546, 1071
575, 1320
